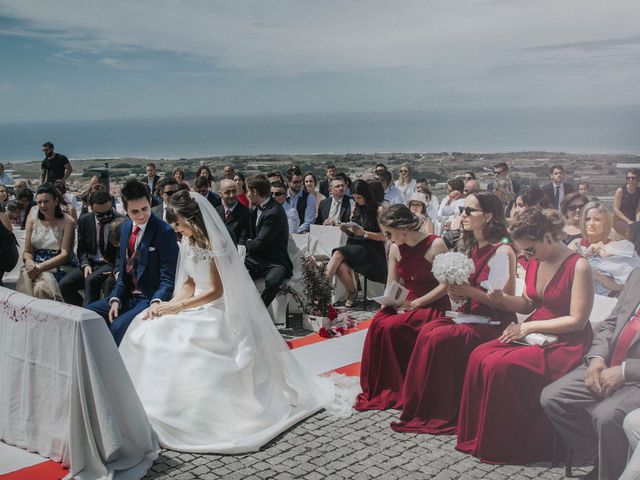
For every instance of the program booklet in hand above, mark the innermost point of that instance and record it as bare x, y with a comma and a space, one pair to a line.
394, 295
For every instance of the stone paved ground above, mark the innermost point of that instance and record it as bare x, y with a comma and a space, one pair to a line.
360, 447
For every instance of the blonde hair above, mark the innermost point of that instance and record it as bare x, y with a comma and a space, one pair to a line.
606, 216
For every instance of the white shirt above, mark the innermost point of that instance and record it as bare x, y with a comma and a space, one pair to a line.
394, 195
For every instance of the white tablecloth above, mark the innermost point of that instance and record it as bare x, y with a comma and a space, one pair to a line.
65, 393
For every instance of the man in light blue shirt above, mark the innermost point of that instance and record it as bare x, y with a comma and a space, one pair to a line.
5, 178
300, 200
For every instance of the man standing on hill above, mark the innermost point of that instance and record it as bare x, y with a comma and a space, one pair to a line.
325, 185
54, 165
558, 188
501, 170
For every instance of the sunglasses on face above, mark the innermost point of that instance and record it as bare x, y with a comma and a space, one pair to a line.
108, 213
529, 252
277, 194
632, 178
468, 210
170, 192
404, 171
498, 172
573, 208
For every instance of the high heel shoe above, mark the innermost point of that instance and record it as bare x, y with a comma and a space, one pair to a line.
351, 298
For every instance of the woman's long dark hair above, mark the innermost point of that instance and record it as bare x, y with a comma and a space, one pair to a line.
361, 187
494, 231
49, 189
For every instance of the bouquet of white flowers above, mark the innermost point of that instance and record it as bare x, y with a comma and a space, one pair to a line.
452, 267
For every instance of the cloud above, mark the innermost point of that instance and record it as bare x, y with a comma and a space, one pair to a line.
603, 44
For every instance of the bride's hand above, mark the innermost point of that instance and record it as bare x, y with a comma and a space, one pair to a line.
168, 308
152, 311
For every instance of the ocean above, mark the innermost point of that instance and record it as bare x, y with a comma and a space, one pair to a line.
575, 130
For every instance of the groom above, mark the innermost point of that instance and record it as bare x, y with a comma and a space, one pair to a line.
148, 255
267, 255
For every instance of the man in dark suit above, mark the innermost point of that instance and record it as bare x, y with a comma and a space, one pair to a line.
235, 215
165, 189
97, 255
148, 256
336, 208
588, 405
203, 185
325, 185
267, 254
558, 188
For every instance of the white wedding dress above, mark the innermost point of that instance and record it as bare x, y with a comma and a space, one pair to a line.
219, 378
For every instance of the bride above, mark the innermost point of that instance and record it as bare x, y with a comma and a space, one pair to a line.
212, 371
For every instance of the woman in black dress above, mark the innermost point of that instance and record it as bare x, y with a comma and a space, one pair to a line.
364, 252
625, 203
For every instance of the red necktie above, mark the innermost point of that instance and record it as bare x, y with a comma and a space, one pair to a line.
227, 215
629, 332
132, 240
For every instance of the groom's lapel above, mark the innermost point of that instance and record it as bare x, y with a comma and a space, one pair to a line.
143, 248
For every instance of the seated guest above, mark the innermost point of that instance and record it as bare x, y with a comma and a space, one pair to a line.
571, 208
392, 194
392, 335
279, 194
66, 206
583, 187
500, 417
8, 246
276, 176
337, 208
4, 197
405, 183
626, 203
96, 255
347, 181
422, 186
241, 187
165, 188
631, 427
267, 255
25, 202
450, 205
310, 183
202, 185
48, 247
235, 215
205, 171
300, 200
418, 205
435, 375
148, 256
364, 252
588, 405
85, 196
612, 261
178, 174
377, 191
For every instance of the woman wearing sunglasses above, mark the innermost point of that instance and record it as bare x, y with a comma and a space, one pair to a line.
435, 375
501, 420
626, 203
405, 183
571, 207
392, 335
612, 261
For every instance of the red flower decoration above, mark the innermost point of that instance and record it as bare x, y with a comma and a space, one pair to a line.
324, 333
341, 331
332, 312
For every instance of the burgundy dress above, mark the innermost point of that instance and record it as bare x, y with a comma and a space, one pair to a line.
501, 420
391, 335
434, 379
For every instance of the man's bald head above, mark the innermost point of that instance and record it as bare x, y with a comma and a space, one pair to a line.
471, 186
228, 192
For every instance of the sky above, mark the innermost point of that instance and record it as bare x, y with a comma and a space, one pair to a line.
94, 59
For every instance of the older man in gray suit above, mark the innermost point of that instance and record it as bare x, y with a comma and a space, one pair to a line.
588, 405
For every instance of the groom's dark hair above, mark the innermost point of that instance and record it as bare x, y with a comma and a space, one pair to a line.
259, 183
134, 190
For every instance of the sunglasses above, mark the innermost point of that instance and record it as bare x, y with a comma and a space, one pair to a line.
498, 172
468, 210
278, 194
404, 171
576, 207
170, 192
108, 213
632, 178
529, 252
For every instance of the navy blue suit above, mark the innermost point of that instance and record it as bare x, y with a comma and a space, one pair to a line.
155, 271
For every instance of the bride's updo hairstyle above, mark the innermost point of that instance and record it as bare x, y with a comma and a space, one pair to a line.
401, 217
534, 223
183, 205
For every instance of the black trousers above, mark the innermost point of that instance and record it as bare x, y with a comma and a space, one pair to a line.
92, 285
273, 273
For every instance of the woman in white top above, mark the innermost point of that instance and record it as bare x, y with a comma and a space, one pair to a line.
405, 183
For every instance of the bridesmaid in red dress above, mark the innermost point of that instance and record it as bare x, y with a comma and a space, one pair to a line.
501, 420
434, 379
391, 335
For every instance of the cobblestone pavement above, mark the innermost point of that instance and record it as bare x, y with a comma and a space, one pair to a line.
359, 447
